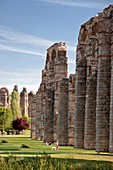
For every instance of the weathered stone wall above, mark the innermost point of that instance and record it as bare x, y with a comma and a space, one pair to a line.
4, 97
93, 98
24, 102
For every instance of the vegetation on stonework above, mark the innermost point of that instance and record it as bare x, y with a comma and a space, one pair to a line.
15, 104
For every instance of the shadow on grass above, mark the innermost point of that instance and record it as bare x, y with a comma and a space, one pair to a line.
40, 154
26, 153
9, 149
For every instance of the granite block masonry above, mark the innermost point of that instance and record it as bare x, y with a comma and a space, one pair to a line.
50, 96
94, 84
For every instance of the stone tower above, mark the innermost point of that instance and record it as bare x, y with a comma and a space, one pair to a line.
24, 102
94, 84
48, 94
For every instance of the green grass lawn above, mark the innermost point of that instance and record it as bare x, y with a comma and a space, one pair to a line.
38, 148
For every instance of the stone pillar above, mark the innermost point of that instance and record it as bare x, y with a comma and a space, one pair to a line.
43, 113
63, 113
103, 88
90, 114
60, 72
38, 113
71, 109
24, 102
90, 108
33, 117
111, 97
30, 98
48, 120
80, 96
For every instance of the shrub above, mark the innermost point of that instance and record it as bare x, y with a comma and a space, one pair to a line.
20, 124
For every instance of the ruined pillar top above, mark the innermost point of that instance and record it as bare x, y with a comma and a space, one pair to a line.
93, 26
4, 89
4, 97
61, 46
24, 90
31, 93
15, 87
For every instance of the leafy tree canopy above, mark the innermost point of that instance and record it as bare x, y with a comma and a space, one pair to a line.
20, 124
5, 118
15, 104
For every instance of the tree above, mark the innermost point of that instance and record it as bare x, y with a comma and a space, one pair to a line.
5, 118
27, 118
15, 104
20, 124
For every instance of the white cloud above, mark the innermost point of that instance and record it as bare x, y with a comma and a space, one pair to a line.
13, 41
13, 49
27, 44
77, 3
22, 38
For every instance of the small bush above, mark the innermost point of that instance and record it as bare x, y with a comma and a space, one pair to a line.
20, 124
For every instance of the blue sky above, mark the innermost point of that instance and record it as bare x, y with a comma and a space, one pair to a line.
29, 27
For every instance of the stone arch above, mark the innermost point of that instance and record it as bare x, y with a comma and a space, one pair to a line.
95, 28
53, 56
61, 53
47, 61
47, 57
111, 15
84, 34
73, 80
